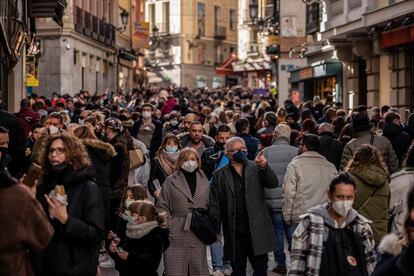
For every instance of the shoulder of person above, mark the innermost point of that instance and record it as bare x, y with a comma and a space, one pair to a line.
100, 145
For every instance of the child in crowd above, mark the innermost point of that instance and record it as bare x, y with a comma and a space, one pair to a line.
141, 252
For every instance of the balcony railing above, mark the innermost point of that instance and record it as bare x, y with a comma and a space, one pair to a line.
78, 20
102, 29
95, 28
87, 27
219, 32
312, 18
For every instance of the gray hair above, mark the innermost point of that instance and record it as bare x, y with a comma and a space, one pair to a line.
326, 127
283, 130
232, 141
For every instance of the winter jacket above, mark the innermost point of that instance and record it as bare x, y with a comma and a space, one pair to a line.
312, 233
381, 143
168, 107
210, 159
27, 119
119, 174
331, 148
100, 154
75, 245
156, 137
252, 144
26, 227
401, 183
222, 207
185, 139
399, 139
17, 144
144, 253
278, 156
157, 173
401, 265
372, 197
306, 183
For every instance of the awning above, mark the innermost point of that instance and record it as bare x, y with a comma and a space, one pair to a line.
252, 65
397, 37
226, 68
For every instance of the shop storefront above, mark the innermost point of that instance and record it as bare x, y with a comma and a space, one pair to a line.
323, 79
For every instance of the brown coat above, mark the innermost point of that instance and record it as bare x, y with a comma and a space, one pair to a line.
186, 254
25, 227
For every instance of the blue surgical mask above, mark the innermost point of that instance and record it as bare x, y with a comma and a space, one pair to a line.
171, 149
240, 156
174, 123
131, 220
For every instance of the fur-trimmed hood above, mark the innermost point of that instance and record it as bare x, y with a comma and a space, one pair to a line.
99, 145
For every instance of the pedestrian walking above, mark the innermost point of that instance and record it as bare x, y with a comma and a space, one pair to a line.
329, 146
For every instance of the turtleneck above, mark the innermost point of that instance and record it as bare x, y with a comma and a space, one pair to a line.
191, 180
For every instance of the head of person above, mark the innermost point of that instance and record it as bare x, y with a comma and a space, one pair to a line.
309, 142
62, 152
188, 119
25, 104
326, 128
174, 119
365, 156
392, 118
83, 115
147, 111
270, 119
196, 132
144, 211
236, 150
291, 119
131, 194
341, 194
360, 122
112, 127
282, 131
242, 126
188, 160
36, 131
4, 139
83, 132
309, 126
385, 109
54, 123
223, 134
170, 144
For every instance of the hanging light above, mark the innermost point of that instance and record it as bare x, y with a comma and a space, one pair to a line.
253, 9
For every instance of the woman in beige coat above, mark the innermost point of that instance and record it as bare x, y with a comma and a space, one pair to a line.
185, 189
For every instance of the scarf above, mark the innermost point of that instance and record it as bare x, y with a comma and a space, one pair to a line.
168, 160
137, 231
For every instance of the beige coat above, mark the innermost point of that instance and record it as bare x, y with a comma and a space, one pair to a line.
305, 185
186, 254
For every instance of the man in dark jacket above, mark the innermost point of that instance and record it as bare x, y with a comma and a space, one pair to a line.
394, 132
252, 143
27, 117
148, 129
17, 145
279, 155
329, 146
237, 201
195, 138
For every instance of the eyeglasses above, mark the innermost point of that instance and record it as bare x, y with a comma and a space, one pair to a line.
57, 150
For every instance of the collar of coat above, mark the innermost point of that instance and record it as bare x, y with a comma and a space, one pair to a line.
102, 146
312, 154
248, 167
179, 181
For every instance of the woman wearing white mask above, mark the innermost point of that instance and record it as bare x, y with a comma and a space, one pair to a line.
164, 164
187, 188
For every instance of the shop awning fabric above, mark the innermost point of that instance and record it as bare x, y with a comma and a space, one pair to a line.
397, 37
253, 65
226, 68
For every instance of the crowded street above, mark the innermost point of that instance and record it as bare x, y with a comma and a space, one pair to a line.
206, 137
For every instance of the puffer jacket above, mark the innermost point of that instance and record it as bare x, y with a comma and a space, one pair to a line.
372, 197
381, 143
278, 156
401, 183
305, 185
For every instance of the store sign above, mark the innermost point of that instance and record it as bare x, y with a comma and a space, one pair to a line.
306, 73
201, 81
273, 40
140, 38
32, 71
217, 82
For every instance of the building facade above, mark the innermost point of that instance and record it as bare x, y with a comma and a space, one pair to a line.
189, 39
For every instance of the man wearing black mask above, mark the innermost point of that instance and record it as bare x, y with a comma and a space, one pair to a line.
213, 157
237, 198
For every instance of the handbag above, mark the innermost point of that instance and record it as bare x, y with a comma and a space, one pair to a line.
202, 227
136, 158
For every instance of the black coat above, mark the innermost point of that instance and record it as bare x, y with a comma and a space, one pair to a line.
144, 253
157, 172
17, 145
252, 145
74, 247
100, 154
331, 148
401, 265
156, 137
399, 139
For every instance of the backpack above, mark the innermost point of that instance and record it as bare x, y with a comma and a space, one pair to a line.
343, 253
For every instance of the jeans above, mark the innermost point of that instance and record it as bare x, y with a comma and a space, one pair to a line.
243, 250
217, 261
281, 229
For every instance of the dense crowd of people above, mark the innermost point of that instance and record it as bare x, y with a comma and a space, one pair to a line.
148, 182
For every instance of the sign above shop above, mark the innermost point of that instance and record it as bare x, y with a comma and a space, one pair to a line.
306, 73
273, 40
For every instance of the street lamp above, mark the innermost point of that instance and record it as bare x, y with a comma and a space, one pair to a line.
124, 21
253, 10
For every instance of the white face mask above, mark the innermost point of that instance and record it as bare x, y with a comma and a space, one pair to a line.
189, 166
146, 114
80, 122
342, 207
53, 130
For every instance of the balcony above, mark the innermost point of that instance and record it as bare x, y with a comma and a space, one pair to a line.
219, 32
78, 20
95, 28
102, 30
163, 28
312, 18
87, 26
110, 35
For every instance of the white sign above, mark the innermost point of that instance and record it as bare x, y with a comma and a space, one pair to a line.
289, 26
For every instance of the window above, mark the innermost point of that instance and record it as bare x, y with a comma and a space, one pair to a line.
201, 19
151, 15
233, 20
217, 15
166, 17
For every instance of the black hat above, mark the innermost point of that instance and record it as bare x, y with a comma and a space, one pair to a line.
360, 122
